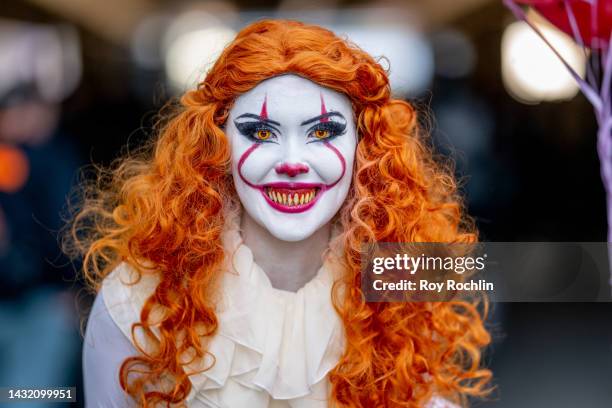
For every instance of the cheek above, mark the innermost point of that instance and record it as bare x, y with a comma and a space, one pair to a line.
333, 161
251, 163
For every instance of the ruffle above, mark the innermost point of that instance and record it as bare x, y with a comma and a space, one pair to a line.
273, 347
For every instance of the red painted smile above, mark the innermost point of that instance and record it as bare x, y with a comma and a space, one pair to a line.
291, 197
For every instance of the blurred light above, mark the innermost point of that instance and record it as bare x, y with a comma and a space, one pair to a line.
191, 54
44, 58
455, 56
409, 55
195, 39
390, 35
531, 71
192, 44
146, 40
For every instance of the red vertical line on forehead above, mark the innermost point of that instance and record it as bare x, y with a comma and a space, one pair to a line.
323, 109
264, 108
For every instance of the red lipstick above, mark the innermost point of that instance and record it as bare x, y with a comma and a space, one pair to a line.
291, 197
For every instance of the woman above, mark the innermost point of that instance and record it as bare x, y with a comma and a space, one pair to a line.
227, 256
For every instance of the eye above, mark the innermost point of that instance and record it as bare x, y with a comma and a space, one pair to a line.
263, 134
326, 131
257, 131
321, 133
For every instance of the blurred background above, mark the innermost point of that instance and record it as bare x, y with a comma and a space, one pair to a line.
80, 80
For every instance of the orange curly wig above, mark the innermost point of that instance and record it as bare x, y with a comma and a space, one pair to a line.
165, 206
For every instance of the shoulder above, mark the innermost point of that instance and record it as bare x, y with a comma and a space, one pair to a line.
124, 292
108, 337
101, 328
105, 348
126, 280
117, 305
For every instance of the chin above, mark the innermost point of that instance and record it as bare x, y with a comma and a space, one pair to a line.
289, 233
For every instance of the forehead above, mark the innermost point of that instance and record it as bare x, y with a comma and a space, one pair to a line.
291, 94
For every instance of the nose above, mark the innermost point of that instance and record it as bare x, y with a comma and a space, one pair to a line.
291, 169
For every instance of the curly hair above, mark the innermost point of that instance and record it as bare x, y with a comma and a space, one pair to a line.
162, 212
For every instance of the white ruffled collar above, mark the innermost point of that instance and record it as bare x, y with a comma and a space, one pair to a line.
271, 343
284, 343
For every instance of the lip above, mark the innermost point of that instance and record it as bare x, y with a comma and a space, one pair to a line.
295, 187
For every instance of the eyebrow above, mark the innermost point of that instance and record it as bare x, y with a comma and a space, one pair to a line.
323, 116
260, 118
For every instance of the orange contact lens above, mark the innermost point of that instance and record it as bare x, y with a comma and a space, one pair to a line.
264, 134
321, 133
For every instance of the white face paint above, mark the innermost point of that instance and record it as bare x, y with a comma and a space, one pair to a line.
293, 146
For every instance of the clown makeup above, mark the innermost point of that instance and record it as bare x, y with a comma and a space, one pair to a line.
293, 146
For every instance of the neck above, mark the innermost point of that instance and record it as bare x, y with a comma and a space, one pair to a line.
289, 265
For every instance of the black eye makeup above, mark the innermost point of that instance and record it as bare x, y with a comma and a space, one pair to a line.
260, 130
328, 126
323, 128
257, 131
326, 131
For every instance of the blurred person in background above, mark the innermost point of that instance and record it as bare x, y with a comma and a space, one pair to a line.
38, 324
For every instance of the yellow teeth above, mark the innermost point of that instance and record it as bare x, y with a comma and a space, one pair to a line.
291, 199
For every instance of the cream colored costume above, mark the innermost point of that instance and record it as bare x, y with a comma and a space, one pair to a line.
274, 348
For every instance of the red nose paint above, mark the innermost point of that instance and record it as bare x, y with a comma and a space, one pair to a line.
291, 169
